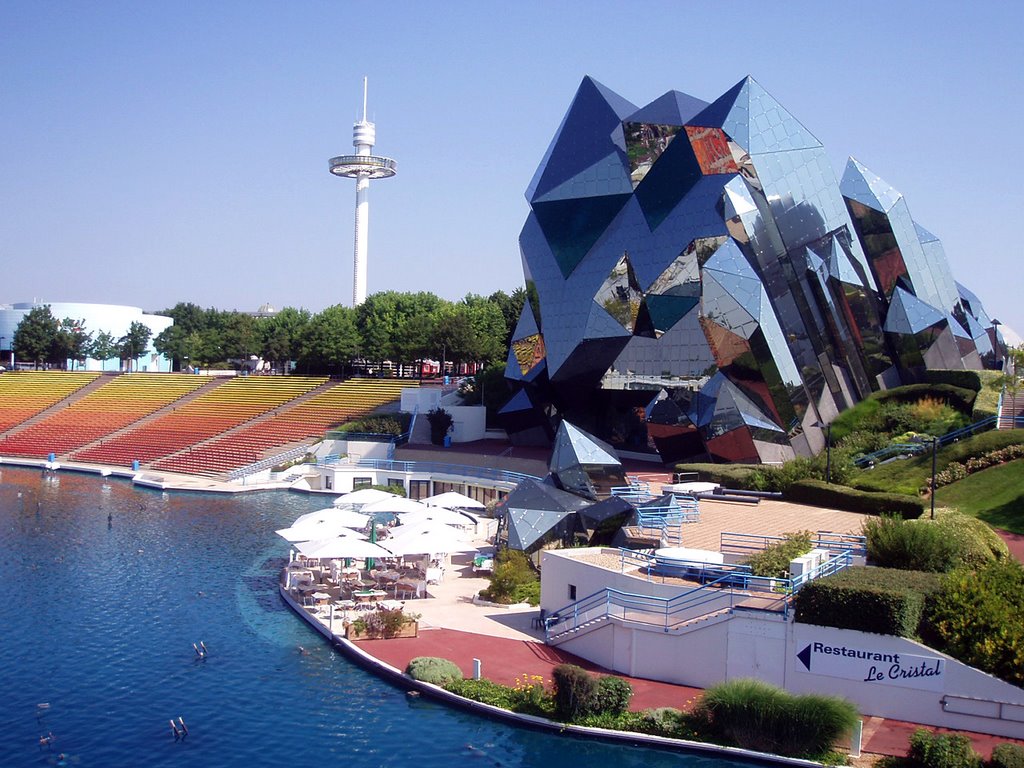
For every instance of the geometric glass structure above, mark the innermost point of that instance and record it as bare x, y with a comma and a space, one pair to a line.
701, 284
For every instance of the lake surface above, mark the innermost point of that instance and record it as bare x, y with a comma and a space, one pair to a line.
106, 588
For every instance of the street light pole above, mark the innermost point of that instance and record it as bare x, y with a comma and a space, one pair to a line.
935, 446
828, 449
828, 453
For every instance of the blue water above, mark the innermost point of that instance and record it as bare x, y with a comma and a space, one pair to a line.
98, 619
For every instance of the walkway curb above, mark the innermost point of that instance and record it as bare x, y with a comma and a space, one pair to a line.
399, 679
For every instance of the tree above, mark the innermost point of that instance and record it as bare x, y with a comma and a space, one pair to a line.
239, 336
489, 328
103, 347
35, 335
511, 307
454, 337
134, 343
71, 343
380, 319
280, 335
414, 340
330, 341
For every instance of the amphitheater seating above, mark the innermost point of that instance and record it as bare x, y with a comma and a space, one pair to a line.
24, 394
309, 418
120, 402
223, 408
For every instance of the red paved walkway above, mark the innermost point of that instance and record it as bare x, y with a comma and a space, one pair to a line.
503, 660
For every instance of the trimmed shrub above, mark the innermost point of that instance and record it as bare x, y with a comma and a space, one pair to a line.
880, 600
979, 544
613, 695
773, 561
513, 580
958, 397
665, 721
755, 715
484, 691
962, 379
432, 669
978, 618
1007, 756
819, 494
576, 692
910, 545
392, 424
941, 750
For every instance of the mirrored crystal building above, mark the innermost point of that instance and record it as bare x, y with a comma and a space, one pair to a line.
700, 283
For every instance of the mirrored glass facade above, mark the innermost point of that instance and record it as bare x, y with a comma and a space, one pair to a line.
700, 284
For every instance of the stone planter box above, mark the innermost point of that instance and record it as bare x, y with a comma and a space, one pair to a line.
410, 629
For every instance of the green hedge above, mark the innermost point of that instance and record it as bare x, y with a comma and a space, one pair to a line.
819, 494
957, 397
880, 600
941, 750
1007, 756
962, 379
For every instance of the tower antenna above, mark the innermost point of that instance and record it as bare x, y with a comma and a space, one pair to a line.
362, 166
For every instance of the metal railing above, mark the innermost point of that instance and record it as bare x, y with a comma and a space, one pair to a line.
681, 510
734, 585
267, 463
438, 468
746, 544
915, 449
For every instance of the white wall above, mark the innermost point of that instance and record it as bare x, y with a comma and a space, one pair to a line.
115, 319
424, 398
470, 422
894, 677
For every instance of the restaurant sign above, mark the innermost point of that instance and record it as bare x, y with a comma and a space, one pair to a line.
866, 664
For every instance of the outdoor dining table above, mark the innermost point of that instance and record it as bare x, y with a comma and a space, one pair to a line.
369, 595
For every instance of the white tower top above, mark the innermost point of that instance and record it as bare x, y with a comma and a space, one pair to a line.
362, 166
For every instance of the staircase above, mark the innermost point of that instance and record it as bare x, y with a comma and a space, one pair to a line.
1011, 410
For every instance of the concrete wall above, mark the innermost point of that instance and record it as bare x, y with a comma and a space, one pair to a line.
883, 675
424, 398
470, 422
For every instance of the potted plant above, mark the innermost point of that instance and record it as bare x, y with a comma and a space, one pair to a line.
441, 423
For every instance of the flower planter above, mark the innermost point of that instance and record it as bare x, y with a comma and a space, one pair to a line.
410, 629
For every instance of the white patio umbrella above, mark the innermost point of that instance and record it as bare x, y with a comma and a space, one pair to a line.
438, 515
318, 529
341, 547
347, 517
396, 506
363, 496
427, 526
427, 542
453, 500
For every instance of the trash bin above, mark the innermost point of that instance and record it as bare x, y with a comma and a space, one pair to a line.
447, 441
51, 457
135, 465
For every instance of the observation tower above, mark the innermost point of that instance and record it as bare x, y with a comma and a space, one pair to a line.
362, 166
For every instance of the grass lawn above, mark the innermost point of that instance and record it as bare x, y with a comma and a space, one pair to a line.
909, 476
996, 495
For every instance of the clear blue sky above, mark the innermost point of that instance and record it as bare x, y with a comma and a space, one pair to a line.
156, 152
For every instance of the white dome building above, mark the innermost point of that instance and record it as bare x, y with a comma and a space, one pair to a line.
110, 318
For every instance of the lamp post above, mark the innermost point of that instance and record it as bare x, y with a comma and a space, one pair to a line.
828, 449
935, 447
